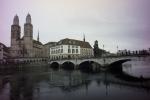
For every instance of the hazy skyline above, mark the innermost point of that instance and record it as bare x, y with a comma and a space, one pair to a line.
112, 22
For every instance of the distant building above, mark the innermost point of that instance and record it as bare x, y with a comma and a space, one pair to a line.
4, 53
47, 47
25, 47
130, 53
122, 52
71, 48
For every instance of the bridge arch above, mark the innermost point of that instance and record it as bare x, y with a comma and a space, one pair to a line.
54, 65
117, 65
89, 66
68, 65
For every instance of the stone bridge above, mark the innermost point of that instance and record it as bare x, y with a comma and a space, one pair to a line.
102, 62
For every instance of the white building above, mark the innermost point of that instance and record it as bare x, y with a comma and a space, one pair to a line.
71, 49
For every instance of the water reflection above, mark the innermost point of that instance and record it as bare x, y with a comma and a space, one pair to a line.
44, 84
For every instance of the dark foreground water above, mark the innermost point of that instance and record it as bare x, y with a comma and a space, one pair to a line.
48, 84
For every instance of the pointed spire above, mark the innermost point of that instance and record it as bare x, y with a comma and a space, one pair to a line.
16, 20
83, 37
38, 39
28, 19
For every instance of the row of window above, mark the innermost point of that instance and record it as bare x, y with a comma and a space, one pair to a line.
57, 51
70, 42
86, 52
57, 47
60, 47
25, 52
73, 51
61, 51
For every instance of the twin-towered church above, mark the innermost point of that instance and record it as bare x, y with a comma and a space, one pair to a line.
24, 46
27, 47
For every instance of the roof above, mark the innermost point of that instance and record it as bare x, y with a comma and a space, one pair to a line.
3, 45
50, 43
82, 44
37, 42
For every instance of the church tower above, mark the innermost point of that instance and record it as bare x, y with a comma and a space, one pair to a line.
15, 37
15, 30
28, 36
28, 28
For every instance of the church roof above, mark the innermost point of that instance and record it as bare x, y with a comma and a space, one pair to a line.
37, 42
80, 43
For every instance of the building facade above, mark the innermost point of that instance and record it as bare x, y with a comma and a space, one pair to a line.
71, 49
4, 53
47, 47
26, 46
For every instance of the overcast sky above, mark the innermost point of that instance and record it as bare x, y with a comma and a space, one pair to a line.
125, 23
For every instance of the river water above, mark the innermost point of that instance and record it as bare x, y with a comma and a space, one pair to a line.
49, 84
138, 67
